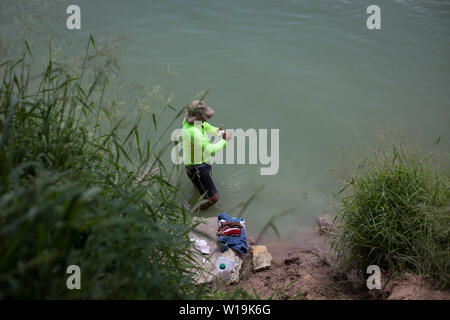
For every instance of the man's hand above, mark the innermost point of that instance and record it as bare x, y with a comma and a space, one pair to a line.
227, 135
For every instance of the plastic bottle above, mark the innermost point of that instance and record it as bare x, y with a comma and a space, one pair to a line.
224, 268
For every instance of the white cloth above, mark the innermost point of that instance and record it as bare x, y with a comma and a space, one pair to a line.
201, 245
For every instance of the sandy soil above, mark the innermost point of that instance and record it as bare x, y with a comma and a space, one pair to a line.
302, 268
414, 287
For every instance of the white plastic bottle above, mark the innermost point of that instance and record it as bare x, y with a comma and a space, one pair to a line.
224, 269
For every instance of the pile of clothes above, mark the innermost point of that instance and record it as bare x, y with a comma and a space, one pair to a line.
232, 229
231, 233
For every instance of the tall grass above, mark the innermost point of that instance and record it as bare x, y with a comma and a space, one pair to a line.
74, 193
394, 213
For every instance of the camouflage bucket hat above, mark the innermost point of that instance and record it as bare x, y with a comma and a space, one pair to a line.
198, 111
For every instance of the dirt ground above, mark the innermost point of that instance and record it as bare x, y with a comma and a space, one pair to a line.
302, 268
414, 287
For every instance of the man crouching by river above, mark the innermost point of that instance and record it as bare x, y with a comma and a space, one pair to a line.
197, 149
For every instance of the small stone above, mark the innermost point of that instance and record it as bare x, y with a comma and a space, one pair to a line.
262, 259
325, 226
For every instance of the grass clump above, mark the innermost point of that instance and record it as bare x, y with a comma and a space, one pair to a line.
73, 192
394, 213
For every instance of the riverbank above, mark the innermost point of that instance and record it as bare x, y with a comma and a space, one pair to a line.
303, 268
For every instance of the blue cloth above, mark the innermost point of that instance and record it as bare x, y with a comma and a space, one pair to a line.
236, 243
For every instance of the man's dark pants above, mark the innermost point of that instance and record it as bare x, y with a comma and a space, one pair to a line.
200, 175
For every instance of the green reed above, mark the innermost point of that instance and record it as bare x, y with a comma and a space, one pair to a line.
75, 193
394, 213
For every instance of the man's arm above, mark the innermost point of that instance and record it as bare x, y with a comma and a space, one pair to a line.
210, 129
206, 146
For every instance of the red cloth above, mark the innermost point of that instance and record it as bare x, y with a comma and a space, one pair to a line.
227, 231
232, 229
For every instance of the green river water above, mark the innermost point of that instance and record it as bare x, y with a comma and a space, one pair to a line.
311, 69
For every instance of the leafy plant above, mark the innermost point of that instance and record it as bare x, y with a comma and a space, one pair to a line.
73, 192
394, 213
